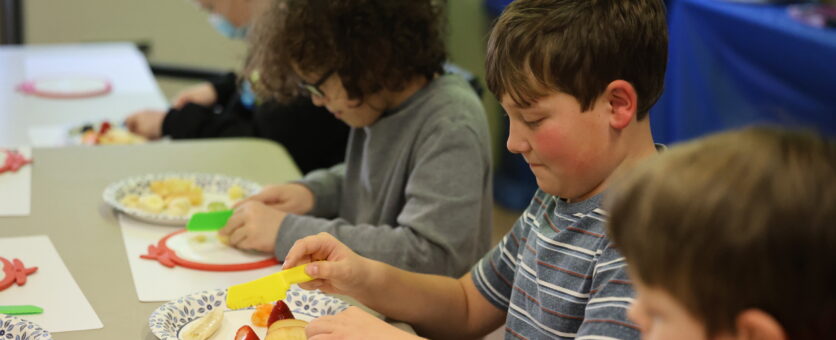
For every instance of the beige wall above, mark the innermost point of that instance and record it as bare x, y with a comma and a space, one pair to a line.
468, 25
179, 33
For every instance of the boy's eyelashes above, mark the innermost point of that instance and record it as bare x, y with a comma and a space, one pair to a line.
533, 123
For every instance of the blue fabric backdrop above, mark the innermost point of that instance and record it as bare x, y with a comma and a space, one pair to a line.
734, 64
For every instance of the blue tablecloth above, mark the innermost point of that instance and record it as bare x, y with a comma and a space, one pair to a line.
733, 64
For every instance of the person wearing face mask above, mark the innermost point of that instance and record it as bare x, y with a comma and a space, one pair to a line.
227, 106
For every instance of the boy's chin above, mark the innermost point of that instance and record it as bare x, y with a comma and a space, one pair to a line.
549, 187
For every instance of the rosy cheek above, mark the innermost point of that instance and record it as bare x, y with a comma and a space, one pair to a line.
547, 143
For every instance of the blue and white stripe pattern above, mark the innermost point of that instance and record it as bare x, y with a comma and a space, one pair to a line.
557, 274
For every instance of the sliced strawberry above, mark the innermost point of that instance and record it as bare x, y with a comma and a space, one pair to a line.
280, 312
246, 333
104, 127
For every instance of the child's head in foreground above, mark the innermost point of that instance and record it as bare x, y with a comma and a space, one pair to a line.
575, 77
733, 237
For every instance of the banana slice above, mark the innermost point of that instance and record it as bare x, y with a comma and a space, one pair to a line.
204, 327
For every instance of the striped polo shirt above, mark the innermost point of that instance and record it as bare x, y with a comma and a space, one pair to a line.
558, 275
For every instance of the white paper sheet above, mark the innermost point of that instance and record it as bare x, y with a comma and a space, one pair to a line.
52, 287
155, 282
16, 188
49, 136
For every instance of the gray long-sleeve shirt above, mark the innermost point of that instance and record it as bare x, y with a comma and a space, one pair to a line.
415, 188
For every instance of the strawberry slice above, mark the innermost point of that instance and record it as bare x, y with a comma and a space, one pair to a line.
246, 333
104, 128
280, 312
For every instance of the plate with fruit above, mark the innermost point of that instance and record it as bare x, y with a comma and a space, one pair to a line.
204, 315
103, 133
12, 327
171, 198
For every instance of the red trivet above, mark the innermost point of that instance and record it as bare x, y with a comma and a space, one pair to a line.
15, 272
14, 161
167, 257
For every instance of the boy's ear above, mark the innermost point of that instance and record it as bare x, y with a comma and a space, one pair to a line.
755, 324
623, 101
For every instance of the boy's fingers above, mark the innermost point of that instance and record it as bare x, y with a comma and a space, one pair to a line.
238, 237
180, 101
263, 198
327, 270
309, 249
299, 252
320, 326
234, 222
311, 285
239, 203
130, 123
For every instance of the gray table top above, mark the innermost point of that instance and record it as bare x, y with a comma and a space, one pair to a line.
67, 185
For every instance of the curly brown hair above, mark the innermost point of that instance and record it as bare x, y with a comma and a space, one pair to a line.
371, 44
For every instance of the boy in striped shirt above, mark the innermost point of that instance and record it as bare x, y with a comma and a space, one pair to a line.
753, 258
577, 79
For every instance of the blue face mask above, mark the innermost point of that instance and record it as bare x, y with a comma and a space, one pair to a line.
226, 28
247, 95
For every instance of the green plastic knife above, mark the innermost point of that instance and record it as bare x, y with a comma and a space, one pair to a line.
208, 221
21, 310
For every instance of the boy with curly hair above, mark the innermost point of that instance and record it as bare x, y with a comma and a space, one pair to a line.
415, 188
732, 237
577, 79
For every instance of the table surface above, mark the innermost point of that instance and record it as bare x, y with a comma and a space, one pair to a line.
122, 64
67, 186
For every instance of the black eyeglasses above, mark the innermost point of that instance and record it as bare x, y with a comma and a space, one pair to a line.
313, 89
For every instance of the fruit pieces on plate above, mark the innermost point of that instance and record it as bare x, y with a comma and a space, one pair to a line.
176, 197
107, 134
288, 329
171, 196
261, 315
246, 333
267, 314
279, 320
205, 327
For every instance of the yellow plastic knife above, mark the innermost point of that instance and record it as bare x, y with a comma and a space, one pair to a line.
267, 289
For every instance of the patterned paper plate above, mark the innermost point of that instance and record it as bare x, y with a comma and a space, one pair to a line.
14, 328
214, 190
169, 319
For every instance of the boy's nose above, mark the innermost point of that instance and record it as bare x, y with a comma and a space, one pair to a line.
515, 143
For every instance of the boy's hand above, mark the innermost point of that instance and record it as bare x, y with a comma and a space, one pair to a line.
339, 270
353, 324
202, 94
147, 123
253, 226
293, 198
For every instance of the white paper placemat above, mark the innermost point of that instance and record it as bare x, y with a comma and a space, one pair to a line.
52, 287
48, 136
155, 282
16, 188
